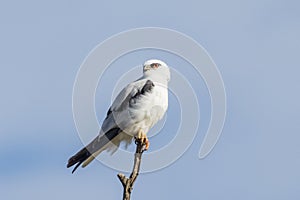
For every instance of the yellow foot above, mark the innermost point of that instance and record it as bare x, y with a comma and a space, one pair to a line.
143, 138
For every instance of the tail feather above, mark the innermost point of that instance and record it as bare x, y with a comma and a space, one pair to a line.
78, 158
91, 158
92, 149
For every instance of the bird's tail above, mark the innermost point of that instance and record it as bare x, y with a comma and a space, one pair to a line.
88, 153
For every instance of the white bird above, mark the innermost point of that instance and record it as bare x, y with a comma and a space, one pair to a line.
137, 108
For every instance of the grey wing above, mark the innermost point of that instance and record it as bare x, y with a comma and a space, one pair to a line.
126, 98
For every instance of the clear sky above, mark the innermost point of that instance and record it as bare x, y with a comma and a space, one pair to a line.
255, 45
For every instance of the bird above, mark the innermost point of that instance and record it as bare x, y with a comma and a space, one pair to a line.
135, 110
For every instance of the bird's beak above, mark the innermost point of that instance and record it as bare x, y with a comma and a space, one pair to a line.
147, 67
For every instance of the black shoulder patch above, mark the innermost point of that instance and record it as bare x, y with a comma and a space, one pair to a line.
146, 88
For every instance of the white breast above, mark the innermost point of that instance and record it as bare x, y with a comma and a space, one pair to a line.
157, 107
148, 110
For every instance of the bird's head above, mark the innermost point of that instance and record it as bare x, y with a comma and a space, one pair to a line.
156, 67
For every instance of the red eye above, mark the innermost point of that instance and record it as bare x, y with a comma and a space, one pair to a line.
155, 65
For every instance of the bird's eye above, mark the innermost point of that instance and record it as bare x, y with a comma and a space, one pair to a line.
155, 65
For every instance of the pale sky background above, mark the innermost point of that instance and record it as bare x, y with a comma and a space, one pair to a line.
255, 45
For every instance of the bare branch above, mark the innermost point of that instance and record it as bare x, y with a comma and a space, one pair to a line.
128, 182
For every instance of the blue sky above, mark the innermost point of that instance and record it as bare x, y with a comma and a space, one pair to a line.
255, 45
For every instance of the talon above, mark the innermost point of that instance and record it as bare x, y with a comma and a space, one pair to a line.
147, 144
142, 137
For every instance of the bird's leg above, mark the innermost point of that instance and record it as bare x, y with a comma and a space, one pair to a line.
142, 137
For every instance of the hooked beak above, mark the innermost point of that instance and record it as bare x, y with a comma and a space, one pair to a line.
147, 67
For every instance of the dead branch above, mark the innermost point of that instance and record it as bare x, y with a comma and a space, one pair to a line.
128, 182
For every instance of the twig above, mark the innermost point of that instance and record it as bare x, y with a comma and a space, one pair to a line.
128, 182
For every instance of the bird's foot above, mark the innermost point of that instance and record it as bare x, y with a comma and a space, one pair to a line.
142, 137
